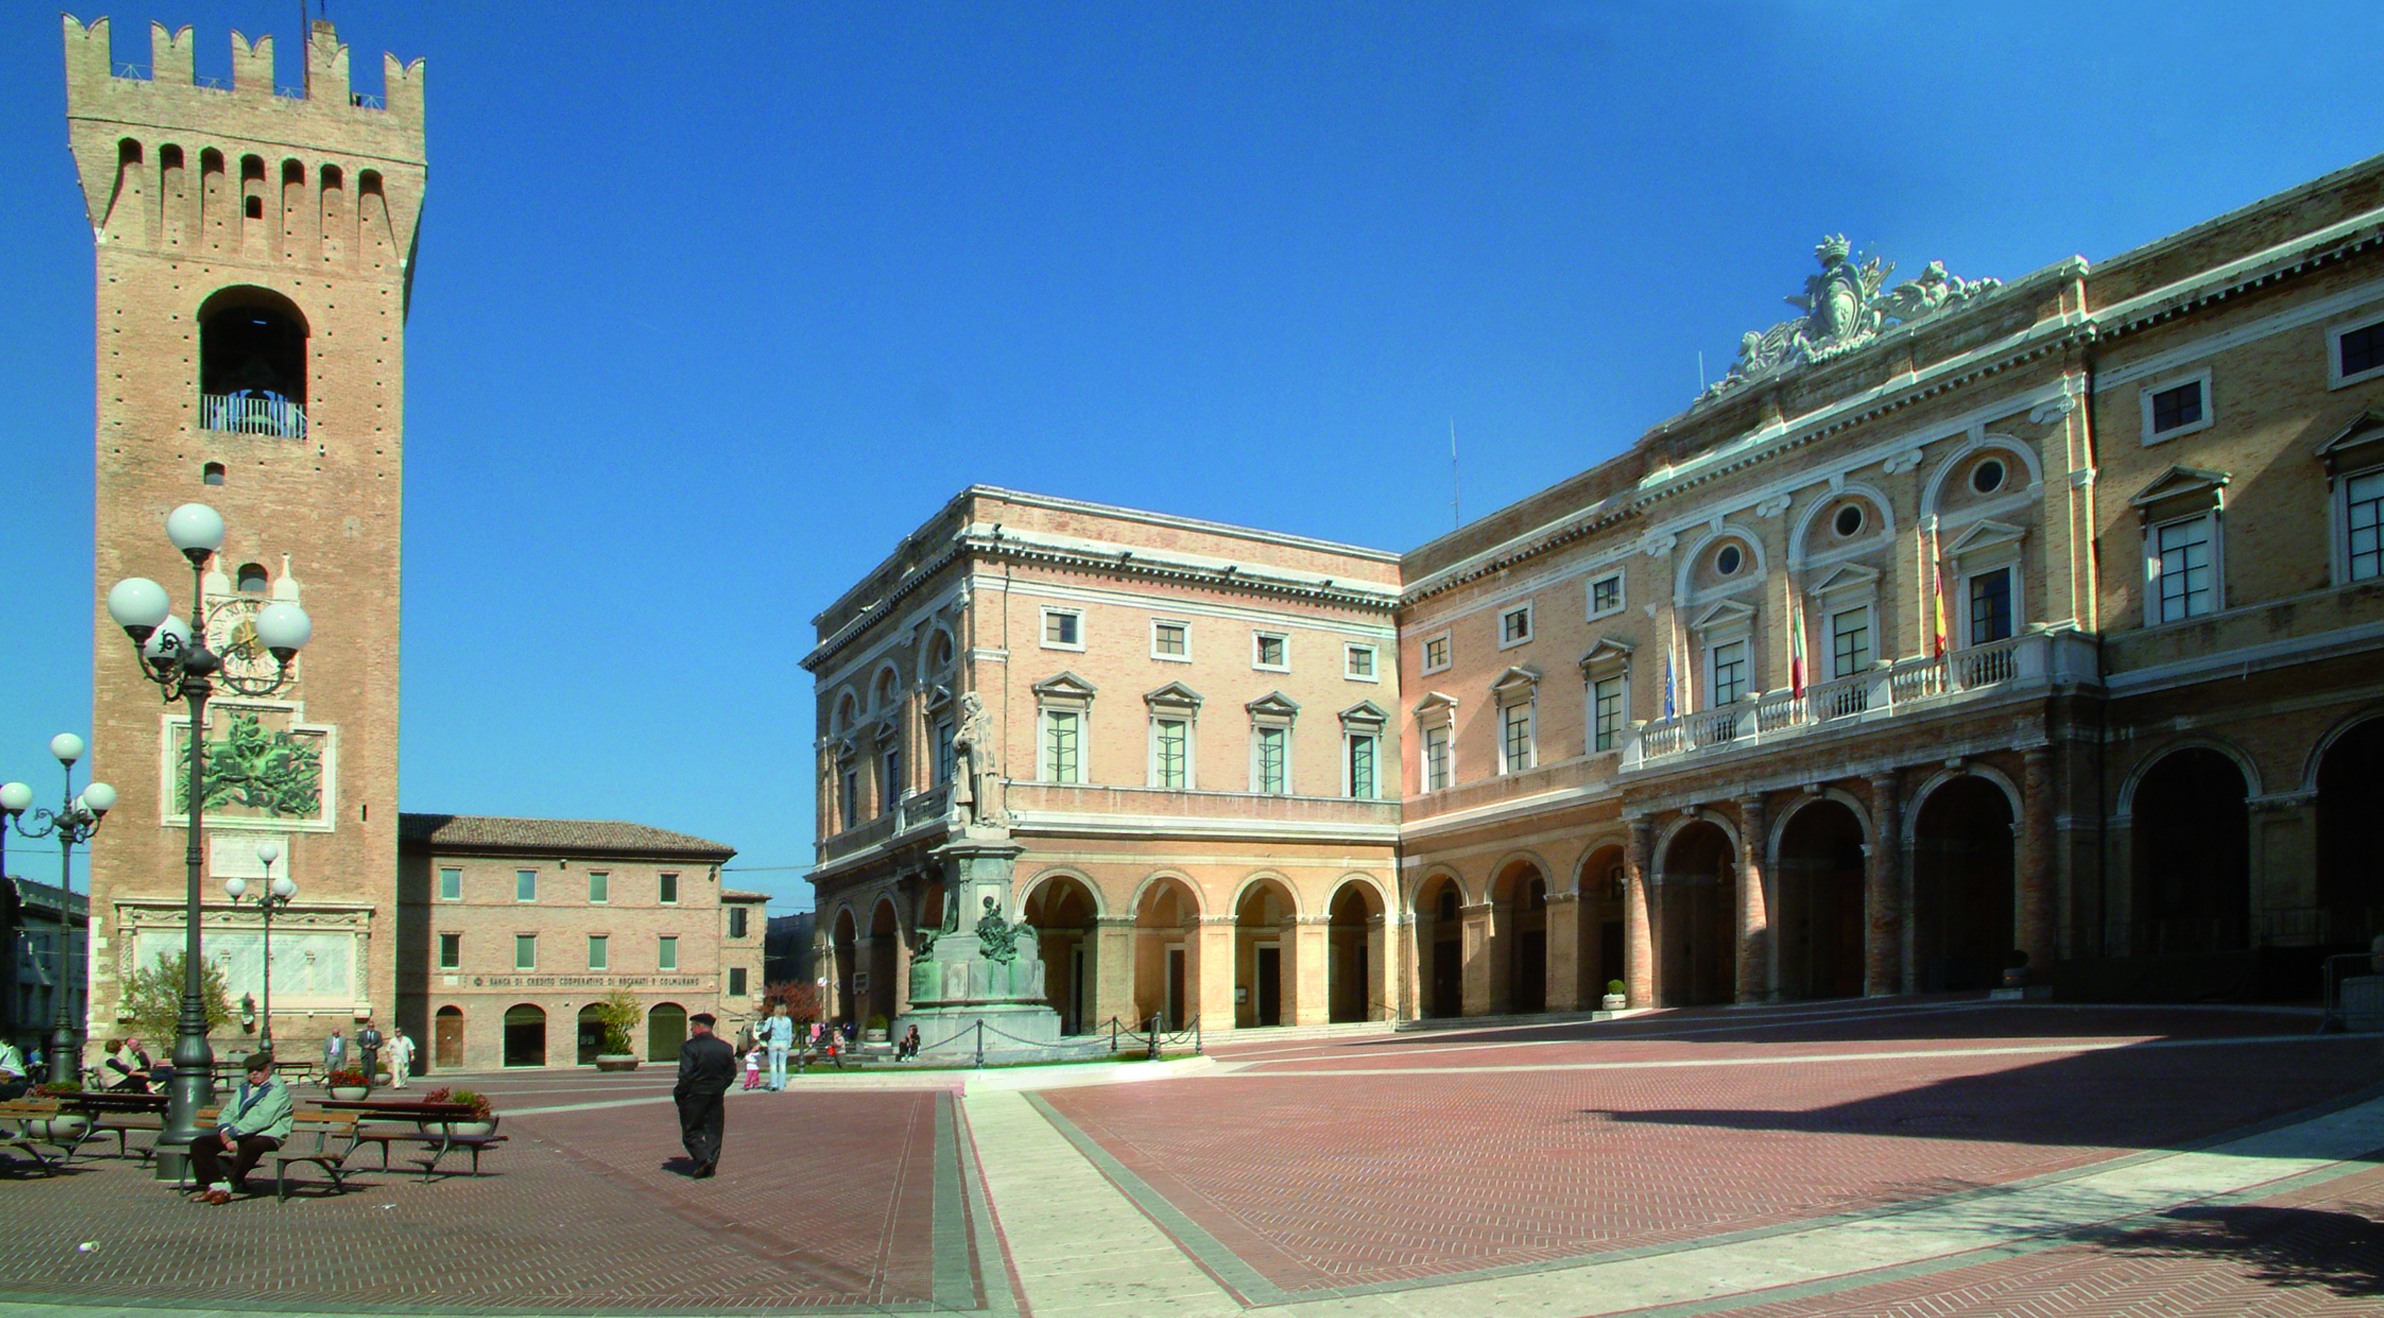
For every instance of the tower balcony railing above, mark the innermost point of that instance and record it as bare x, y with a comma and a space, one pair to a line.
1906, 687
252, 414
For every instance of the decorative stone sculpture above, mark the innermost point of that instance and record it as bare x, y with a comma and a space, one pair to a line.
976, 775
1845, 307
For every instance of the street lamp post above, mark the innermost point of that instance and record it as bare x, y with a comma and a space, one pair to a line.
175, 657
76, 819
276, 895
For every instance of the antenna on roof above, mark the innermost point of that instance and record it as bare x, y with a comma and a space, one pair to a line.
1701, 372
1456, 515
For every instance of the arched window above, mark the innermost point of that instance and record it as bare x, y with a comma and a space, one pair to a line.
252, 579
252, 363
212, 474
525, 1035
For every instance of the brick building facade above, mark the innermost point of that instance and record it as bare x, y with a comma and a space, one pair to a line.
1967, 625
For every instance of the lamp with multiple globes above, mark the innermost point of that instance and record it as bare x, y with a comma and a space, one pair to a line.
73, 823
174, 655
275, 895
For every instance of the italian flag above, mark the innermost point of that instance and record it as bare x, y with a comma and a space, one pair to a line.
1796, 642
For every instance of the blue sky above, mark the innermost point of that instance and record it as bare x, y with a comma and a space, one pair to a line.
711, 310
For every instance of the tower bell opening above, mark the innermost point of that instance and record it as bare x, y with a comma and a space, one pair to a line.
252, 364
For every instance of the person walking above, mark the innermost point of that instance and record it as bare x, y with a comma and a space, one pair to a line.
368, 1050
401, 1056
779, 1034
707, 1066
335, 1053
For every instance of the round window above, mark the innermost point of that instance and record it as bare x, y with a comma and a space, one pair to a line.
1728, 560
1848, 521
1987, 477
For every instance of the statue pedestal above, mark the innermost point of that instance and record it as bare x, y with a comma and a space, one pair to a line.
977, 988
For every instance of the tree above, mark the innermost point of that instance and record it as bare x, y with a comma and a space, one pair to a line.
800, 997
620, 1011
153, 998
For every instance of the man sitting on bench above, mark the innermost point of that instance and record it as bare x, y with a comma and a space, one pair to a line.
249, 1127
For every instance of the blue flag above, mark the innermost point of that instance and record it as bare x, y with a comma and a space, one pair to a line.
1668, 708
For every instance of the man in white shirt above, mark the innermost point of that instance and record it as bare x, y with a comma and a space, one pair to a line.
401, 1056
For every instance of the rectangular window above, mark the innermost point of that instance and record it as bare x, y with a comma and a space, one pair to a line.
738, 921
525, 885
1605, 595
889, 784
848, 797
1061, 748
1436, 654
1850, 642
1606, 713
599, 952
944, 759
1514, 626
451, 951
1991, 606
600, 887
1269, 650
1362, 783
1436, 757
451, 885
1168, 741
666, 956
2366, 510
1516, 720
668, 889
2182, 569
1063, 629
2360, 350
1360, 663
736, 981
2178, 407
1170, 640
1729, 661
2175, 406
1273, 766
525, 951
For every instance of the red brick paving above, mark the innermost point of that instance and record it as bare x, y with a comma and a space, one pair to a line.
1317, 1181
2318, 1251
822, 1199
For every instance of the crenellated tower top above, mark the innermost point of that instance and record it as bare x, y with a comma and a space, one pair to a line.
92, 74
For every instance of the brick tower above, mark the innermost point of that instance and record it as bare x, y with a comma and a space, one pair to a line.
254, 253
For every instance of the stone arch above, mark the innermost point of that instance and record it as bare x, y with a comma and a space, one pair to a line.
1266, 920
1816, 860
1779, 821
1803, 526
1441, 870
1664, 836
844, 933
1357, 916
2124, 803
1266, 875
1066, 908
885, 689
1518, 942
1696, 923
1168, 969
2346, 782
1598, 909
1685, 566
1964, 884
939, 655
1439, 919
2189, 845
1934, 488
1157, 877
1034, 885
848, 713
2342, 728
1943, 776
525, 1035
885, 959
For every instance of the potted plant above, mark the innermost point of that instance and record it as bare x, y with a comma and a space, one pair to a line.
1614, 999
2015, 969
874, 1031
348, 1086
484, 1120
620, 1012
64, 1128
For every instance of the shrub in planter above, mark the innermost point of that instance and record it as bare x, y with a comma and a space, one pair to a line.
875, 1030
484, 1116
620, 1011
2015, 968
1614, 1000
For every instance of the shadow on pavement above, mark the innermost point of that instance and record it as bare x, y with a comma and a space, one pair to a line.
2281, 1246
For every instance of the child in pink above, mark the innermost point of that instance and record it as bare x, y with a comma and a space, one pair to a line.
753, 1068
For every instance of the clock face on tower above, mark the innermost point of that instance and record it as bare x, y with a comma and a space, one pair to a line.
232, 634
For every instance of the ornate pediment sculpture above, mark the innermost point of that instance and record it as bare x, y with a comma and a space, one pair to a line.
1845, 306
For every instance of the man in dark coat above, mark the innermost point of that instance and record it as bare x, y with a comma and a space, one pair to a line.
707, 1065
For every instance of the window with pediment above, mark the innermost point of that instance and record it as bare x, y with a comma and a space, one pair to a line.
1174, 711
2184, 550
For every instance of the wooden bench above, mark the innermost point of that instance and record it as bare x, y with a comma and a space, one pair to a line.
326, 1128
16, 1116
120, 1115
431, 1125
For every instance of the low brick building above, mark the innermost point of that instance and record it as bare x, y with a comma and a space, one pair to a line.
512, 932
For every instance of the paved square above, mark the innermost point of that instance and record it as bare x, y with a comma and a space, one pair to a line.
1906, 1159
